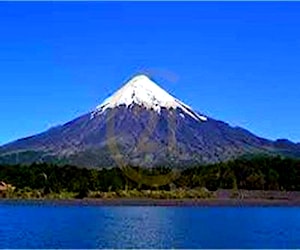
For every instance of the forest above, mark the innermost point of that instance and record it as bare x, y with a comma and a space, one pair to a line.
52, 181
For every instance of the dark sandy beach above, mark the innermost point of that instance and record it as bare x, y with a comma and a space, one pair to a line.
159, 202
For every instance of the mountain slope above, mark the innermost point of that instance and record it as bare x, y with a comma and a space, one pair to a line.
141, 124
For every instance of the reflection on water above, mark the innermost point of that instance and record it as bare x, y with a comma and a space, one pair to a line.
75, 226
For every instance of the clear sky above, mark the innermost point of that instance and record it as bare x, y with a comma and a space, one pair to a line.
237, 62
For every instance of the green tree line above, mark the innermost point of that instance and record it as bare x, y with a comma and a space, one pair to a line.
255, 173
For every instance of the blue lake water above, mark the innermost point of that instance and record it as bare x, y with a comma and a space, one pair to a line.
83, 226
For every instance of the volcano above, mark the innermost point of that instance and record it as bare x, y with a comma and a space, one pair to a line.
142, 125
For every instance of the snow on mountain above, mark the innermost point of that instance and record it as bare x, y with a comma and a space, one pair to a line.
144, 92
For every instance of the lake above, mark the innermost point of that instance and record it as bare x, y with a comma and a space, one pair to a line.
46, 225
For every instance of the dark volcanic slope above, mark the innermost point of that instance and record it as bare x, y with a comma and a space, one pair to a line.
142, 137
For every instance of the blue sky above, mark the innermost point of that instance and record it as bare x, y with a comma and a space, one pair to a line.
237, 62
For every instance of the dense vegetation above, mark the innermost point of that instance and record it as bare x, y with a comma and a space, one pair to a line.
258, 173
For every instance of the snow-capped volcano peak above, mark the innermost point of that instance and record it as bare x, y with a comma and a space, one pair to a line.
143, 91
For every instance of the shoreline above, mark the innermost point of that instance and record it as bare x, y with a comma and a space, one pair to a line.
160, 202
